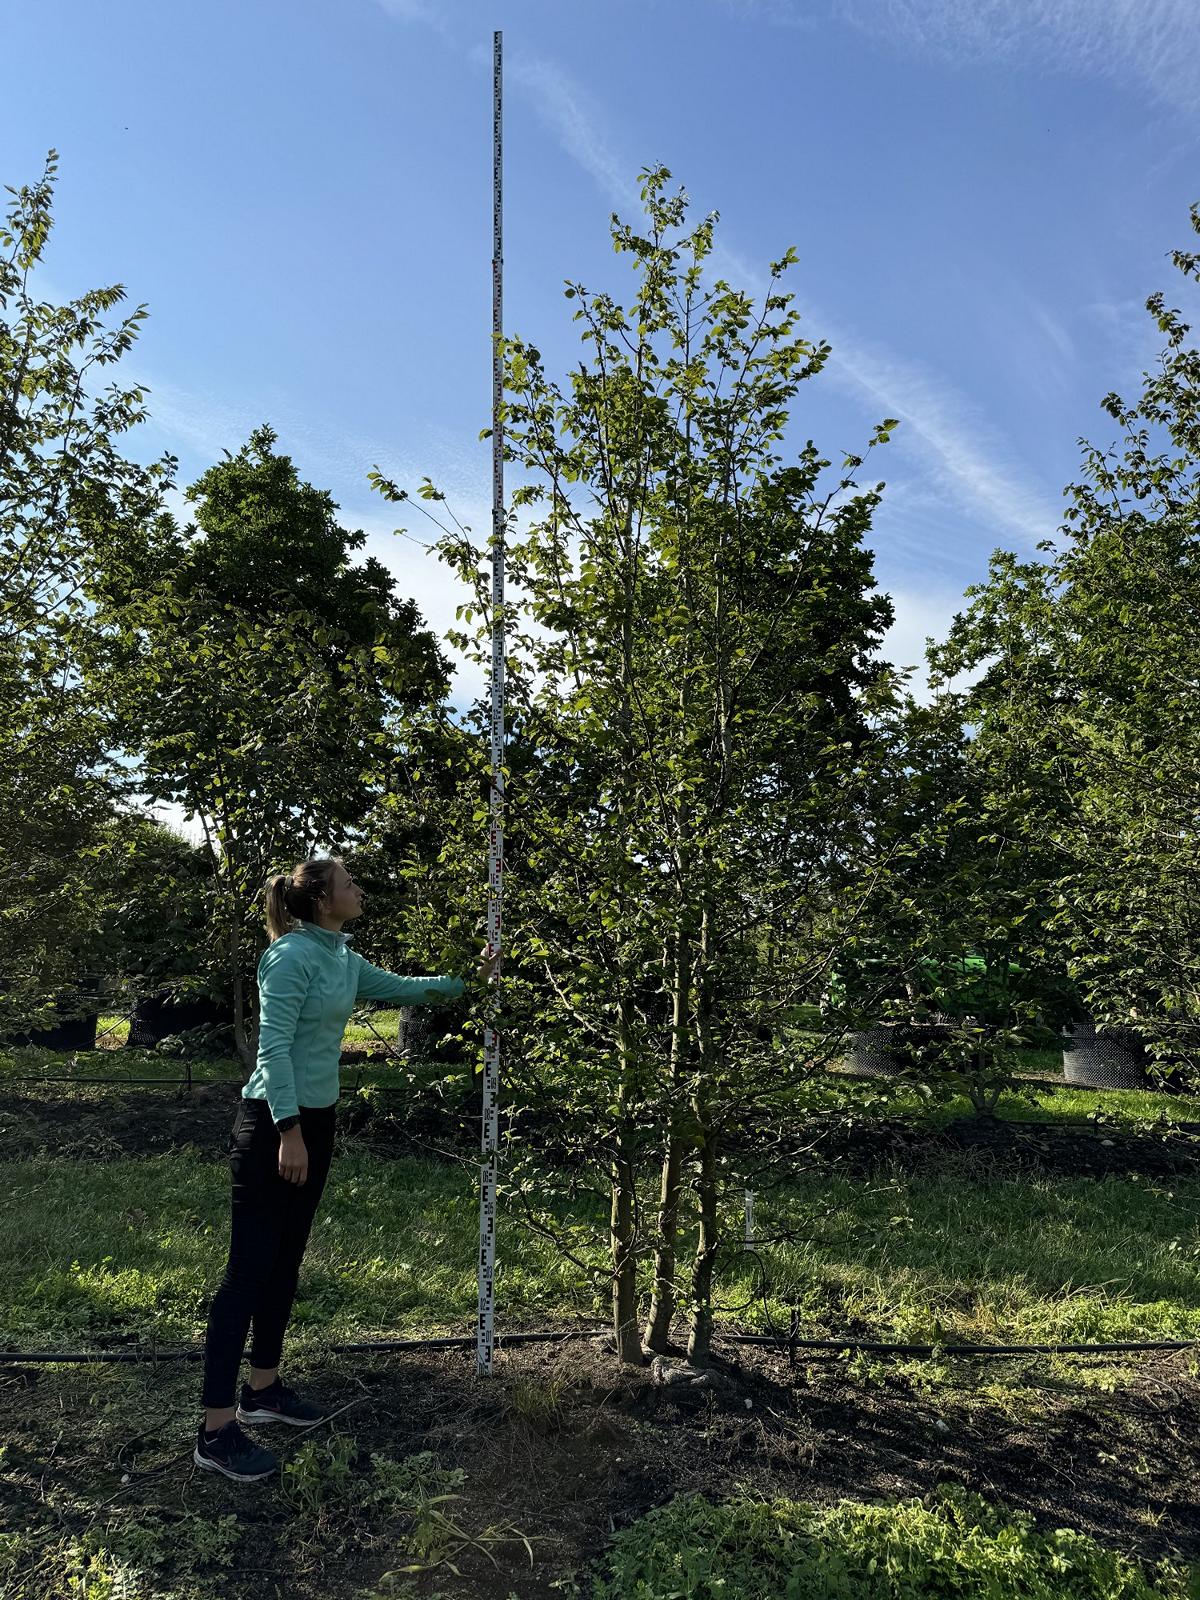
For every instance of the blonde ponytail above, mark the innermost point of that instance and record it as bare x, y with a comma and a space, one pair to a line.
279, 921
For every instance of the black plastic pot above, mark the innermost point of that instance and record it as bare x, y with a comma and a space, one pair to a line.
1113, 1058
884, 1051
873, 1053
158, 1016
72, 1033
420, 1029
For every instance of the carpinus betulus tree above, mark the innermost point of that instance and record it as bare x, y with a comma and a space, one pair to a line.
700, 694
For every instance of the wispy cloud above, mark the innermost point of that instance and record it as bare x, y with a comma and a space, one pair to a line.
965, 455
1153, 42
962, 457
1130, 332
431, 13
572, 117
195, 421
968, 458
1054, 331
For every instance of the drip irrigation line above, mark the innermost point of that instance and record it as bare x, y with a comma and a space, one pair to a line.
120, 1083
877, 1347
181, 1083
834, 1348
452, 1342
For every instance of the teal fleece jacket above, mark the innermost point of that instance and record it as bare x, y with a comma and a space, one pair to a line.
308, 983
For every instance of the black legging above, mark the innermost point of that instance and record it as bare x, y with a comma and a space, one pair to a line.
270, 1226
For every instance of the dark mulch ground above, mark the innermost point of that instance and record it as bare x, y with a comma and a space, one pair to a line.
1054, 1150
1124, 1471
103, 1123
111, 1124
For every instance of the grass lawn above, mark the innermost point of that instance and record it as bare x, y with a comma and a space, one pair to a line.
96, 1249
99, 1497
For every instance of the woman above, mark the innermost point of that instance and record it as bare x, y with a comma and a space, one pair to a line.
280, 1146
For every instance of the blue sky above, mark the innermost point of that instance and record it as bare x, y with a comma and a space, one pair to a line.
981, 192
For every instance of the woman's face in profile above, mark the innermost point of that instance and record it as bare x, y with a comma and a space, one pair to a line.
344, 900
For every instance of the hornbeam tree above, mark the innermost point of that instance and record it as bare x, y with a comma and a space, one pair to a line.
702, 709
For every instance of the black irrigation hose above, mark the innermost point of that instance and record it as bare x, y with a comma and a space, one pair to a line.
11, 1357
834, 1347
178, 1083
393, 1088
877, 1348
120, 1083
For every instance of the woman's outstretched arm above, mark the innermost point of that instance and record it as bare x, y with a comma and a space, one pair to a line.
374, 983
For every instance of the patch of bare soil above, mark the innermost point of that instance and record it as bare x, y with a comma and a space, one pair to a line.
114, 1123
98, 1123
1073, 1151
1045, 1148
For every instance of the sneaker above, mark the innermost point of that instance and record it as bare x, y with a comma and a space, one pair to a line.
233, 1454
278, 1403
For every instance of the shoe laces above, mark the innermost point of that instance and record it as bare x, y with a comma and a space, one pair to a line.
223, 1431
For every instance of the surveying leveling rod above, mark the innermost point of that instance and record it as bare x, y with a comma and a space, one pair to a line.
485, 1332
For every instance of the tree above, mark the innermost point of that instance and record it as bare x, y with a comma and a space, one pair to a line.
155, 891
258, 676
1092, 672
701, 726
957, 956
59, 463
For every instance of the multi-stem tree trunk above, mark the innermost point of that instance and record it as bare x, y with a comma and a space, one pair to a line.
708, 1068
662, 1304
623, 1229
242, 1029
708, 1240
245, 1008
623, 1215
225, 879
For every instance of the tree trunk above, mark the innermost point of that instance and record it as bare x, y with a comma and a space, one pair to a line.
708, 1068
623, 1171
246, 1044
662, 1303
700, 1337
623, 1214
